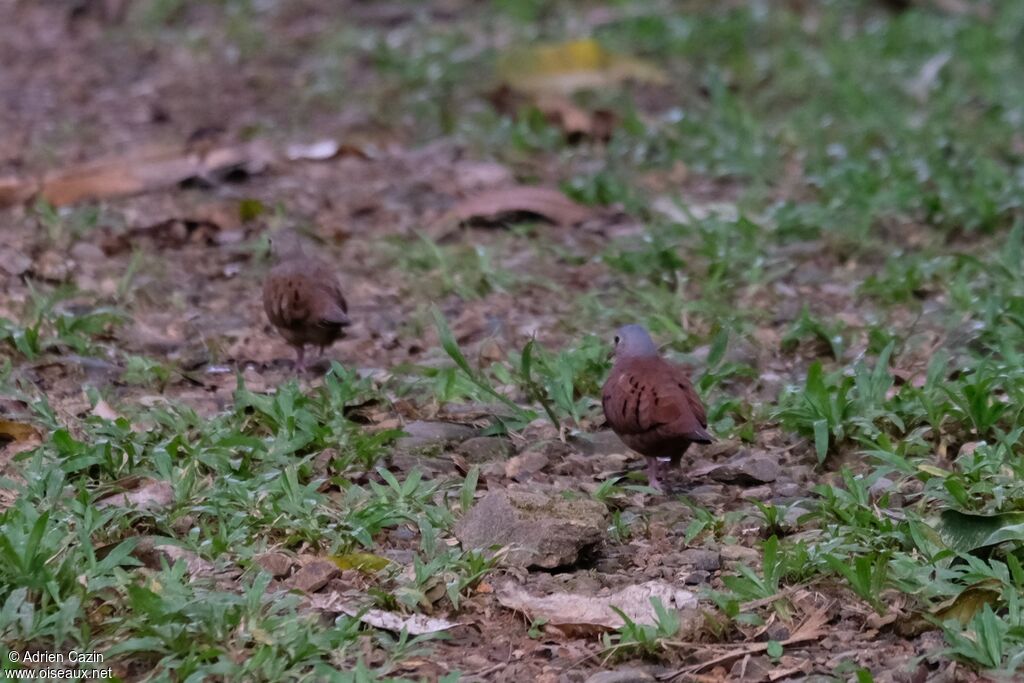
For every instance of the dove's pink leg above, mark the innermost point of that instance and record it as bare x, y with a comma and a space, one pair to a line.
300, 358
653, 470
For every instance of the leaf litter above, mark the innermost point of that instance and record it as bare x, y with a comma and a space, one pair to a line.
356, 203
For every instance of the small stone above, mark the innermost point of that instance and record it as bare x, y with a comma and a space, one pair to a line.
275, 564
524, 466
747, 468
540, 530
621, 676
314, 576
600, 443
699, 558
696, 578
741, 554
14, 262
423, 435
182, 525
801, 473
793, 515
50, 265
87, 252
480, 449
750, 669
882, 486
788, 489
706, 495
756, 493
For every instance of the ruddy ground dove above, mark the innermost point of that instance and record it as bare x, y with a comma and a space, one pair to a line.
651, 403
302, 298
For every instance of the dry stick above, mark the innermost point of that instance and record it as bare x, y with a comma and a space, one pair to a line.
753, 604
785, 592
809, 630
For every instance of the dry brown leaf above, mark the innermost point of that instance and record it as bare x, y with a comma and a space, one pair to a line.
577, 123
559, 110
16, 437
18, 432
150, 169
494, 206
155, 168
812, 628
414, 624
152, 551
149, 494
16, 190
595, 611
102, 409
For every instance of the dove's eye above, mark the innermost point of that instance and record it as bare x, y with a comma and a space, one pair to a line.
616, 341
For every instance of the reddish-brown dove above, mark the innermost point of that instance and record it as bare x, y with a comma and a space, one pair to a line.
651, 404
302, 298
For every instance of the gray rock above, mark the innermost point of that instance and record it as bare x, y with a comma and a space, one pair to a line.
741, 554
314, 576
87, 252
275, 564
541, 531
621, 676
525, 465
789, 489
699, 558
747, 469
706, 495
762, 493
480, 449
793, 515
696, 578
881, 486
14, 262
750, 669
600, 443
422, 435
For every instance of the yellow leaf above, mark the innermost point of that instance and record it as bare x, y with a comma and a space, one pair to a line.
969, 602
18, 431
364, 562
565, 68
934, 471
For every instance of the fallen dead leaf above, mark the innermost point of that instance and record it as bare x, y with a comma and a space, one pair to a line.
969, 602
150, 494
594, 612
320, 150
812, 628
17, 437
155, 168
496, 206
103, 410
15, 190
152, 551
559, 110
18, 432
415, 624
568, 67
147, 170
364, 562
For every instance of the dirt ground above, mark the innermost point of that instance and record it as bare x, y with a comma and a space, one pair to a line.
186, 262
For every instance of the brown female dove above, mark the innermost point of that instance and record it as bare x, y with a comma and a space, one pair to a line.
651, 404
302, 298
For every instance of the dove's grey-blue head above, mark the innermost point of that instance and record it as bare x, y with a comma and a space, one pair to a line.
285, 244
632, 341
